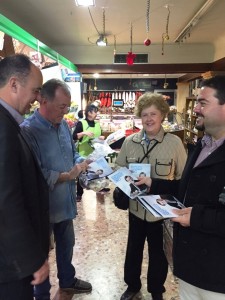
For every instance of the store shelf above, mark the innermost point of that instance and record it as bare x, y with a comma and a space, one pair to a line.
191, 135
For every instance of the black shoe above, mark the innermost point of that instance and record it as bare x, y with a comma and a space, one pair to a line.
80, 286
127, 295
157, 296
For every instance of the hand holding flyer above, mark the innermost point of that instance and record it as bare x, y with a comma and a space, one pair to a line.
98, 169
161, 206
125, 180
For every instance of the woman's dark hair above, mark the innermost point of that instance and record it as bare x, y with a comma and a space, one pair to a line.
90, 108
80, 114
217, 83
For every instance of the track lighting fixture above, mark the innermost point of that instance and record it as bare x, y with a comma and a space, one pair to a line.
101, 41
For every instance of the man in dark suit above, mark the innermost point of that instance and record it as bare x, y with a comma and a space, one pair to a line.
199, 234
24, 219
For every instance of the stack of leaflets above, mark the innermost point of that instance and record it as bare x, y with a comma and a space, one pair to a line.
160, 206
125, 180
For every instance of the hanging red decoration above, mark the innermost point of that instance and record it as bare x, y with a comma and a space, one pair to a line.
130, 58
147, 42
130, 55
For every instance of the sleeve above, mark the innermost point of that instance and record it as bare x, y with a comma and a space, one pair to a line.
121, 158
51, 176
16, 229
181, 158
77, 158
164, 186
78, 129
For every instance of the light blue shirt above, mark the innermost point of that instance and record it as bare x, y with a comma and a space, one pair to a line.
56, 153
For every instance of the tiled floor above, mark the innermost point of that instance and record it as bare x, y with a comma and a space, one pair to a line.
101, 236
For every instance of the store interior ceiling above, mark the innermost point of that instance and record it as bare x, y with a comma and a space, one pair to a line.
72, 31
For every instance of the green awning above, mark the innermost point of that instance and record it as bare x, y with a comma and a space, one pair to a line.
23, 36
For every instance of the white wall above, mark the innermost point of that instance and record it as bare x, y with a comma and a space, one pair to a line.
219, 48
51, 72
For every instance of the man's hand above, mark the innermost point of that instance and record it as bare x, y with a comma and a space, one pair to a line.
77, 169
41, 274
184, 216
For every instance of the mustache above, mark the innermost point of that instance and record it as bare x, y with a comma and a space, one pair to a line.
199, 115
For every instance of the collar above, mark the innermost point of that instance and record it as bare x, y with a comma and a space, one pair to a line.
44, 121
208, 141
14, 113
142, 136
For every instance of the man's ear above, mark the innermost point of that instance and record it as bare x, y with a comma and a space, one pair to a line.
41, 99
13, 82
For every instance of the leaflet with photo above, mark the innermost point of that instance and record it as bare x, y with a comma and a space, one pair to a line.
161, 206
115, 136
111, 138
98, 169
125, 180
140, 170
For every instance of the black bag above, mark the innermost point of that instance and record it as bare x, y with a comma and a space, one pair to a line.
121, 200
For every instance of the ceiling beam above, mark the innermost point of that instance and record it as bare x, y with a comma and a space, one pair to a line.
143, 68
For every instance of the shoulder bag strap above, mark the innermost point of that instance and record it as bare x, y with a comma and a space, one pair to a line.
147, 153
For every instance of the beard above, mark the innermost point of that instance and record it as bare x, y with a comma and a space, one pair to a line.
200, 127
199, 123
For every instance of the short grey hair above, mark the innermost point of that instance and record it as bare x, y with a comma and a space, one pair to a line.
49, 88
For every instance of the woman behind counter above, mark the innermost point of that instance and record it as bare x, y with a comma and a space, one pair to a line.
86, 130
167, 158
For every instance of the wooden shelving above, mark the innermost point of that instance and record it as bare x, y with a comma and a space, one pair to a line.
191, 134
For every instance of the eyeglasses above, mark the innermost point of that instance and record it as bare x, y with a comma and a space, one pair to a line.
63, 108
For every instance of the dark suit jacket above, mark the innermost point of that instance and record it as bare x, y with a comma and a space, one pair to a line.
24, 218
199, 250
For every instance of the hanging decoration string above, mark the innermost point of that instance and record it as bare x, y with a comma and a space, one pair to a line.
131, 37
165, 35
114, 45
93, 21
147, 41
103, 22
147, 17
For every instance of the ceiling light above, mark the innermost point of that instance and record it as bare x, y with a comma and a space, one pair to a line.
85, 2
96, 75
101, 41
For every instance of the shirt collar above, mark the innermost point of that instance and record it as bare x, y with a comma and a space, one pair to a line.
208, 141
44, 121
159, 137
17, 116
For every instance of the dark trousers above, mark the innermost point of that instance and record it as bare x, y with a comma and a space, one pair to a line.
64, 240
139, 230
80, 190
18, 290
